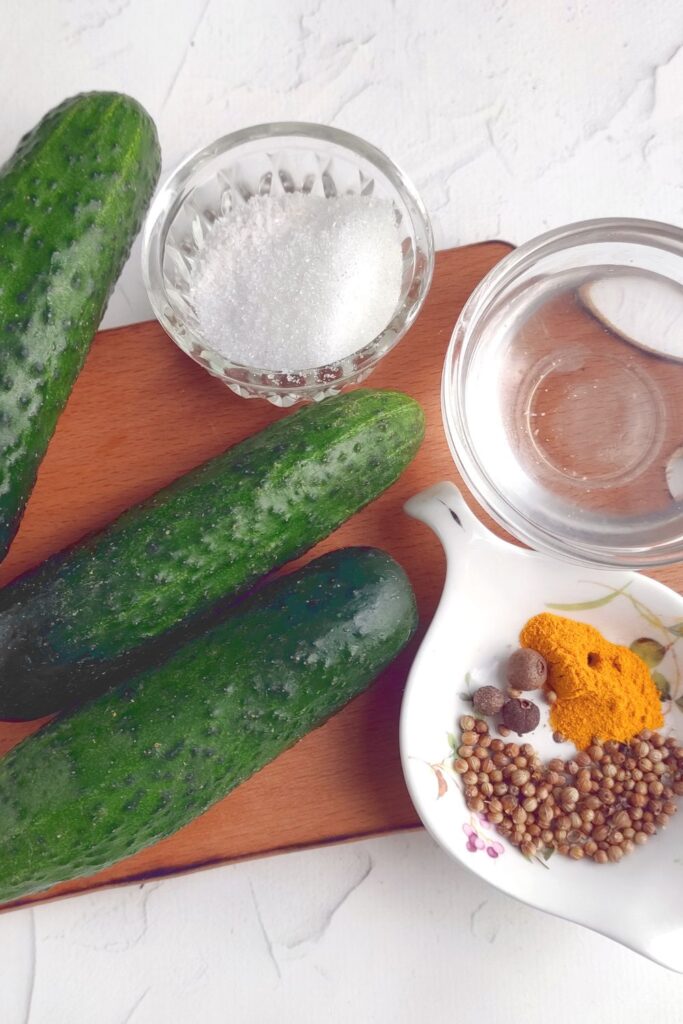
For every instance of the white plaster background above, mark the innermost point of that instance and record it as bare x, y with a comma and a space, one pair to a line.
511, 117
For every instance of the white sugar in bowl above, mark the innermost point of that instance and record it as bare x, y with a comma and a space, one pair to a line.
287, 259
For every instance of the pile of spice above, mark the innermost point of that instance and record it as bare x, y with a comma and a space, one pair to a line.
601, 803
297, 281
601, 689
619, 787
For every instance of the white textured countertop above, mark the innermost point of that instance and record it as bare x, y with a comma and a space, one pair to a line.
510, 117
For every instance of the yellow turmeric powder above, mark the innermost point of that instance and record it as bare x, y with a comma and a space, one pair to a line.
602, 689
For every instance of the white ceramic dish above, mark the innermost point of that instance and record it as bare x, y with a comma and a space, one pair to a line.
491, 589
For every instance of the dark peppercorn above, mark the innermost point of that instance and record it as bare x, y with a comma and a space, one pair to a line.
526, 670
521, 715
488, 700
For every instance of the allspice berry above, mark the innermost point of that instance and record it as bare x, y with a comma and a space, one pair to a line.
488, 700
521, 715
526, 670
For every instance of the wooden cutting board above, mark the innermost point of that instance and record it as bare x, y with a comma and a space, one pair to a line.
140, 415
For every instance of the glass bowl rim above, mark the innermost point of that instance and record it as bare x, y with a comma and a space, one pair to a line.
173, 193
653, 233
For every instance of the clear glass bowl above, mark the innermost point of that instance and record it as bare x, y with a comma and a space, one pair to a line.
562, 393
277, 158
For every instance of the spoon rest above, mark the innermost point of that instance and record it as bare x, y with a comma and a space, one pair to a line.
491, 589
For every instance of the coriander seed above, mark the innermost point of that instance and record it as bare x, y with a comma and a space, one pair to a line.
599, 804
569, 796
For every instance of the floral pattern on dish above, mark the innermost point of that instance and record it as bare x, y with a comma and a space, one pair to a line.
477, 839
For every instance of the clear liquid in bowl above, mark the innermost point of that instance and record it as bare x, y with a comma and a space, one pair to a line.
583, 425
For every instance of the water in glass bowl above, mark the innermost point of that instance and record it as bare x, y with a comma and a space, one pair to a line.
575, 404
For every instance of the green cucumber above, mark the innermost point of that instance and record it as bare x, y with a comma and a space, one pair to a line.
85, 618
138, 763
72, 198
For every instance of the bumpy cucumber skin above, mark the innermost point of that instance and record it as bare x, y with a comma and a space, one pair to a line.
72, 627
141, 761
72, 198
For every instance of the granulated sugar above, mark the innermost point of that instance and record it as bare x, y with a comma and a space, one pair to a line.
296, 281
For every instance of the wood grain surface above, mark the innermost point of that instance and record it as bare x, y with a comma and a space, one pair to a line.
142, 414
